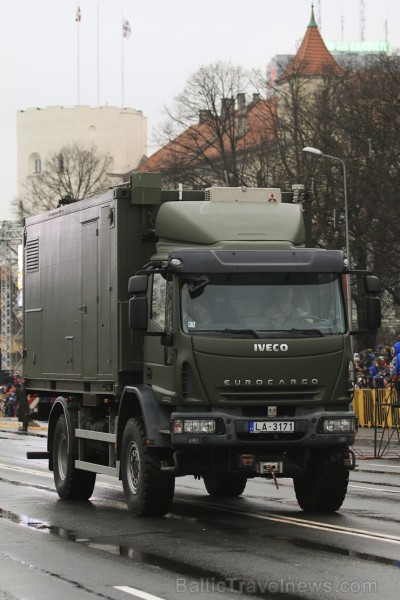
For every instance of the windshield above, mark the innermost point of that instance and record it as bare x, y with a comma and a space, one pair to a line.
284, 303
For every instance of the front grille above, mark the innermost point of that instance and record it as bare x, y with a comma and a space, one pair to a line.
296, 394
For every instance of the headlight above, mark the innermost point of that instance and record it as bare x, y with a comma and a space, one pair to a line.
339, 425
194, 426
199, 426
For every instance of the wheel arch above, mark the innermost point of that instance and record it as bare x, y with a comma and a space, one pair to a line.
140, 401
60, 407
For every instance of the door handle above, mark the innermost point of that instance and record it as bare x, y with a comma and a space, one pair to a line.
83, 308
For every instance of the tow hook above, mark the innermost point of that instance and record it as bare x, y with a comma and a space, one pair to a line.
350, 460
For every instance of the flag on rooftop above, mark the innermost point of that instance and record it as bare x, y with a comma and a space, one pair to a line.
126, 28
78, 14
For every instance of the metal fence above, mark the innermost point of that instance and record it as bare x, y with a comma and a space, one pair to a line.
377, 408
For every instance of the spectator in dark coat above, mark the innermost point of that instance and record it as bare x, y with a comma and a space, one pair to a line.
22, 408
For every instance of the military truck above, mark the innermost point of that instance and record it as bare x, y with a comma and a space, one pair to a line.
156, 320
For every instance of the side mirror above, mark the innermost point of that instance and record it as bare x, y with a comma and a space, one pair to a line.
138, 312
373, 310
372, 285
138, 284
138, 305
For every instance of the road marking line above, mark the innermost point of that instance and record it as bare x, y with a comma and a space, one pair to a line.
362, 533
385, 465
24, 470
135, 592
363, 487
50, 475
268, 517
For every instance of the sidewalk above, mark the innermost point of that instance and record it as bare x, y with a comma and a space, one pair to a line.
34, 428
384, 443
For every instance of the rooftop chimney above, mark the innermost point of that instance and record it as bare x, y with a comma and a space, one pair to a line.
204, 115
227, 107
241, 101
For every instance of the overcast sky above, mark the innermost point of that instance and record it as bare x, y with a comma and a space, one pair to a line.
170, 40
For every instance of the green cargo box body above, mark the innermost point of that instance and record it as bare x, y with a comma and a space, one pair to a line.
78, 260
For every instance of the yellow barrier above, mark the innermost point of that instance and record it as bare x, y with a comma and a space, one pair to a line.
369, 406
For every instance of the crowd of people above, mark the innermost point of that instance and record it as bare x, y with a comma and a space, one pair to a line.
9, 394
379, 368
13, 401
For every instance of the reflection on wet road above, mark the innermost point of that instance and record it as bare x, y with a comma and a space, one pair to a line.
244, 546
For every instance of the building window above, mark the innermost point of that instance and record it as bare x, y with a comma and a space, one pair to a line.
35, 163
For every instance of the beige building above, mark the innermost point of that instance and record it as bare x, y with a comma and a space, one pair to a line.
119, 132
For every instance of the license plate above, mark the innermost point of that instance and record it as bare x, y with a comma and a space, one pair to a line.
271, 426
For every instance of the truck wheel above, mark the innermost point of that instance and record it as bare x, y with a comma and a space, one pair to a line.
225, 485
148, 490
323, 487
71, 483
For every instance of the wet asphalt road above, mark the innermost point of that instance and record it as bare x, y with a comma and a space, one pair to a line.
260, 545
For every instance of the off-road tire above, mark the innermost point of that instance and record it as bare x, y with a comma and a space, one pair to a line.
323, 487
225, 485
148, 490
71, 483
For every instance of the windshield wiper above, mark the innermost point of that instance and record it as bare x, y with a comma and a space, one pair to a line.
260, 334
251, 332
275, 333
248, 331
314, 331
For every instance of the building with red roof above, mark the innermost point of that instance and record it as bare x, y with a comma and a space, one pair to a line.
313, 58
226, 148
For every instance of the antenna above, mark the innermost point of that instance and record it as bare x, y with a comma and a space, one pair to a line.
362, 20
319, 20
342, 25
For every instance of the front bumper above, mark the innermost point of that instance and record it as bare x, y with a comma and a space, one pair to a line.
235, 431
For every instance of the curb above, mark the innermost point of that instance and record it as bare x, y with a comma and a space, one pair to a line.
34, 428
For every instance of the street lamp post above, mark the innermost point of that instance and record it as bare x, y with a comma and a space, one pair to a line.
346, 212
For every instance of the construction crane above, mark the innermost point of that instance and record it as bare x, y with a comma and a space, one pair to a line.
10, 304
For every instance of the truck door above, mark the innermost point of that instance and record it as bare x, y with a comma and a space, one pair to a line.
158, 357
89, 300
105, 354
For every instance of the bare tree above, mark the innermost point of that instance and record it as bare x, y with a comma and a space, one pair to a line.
352, 113
74, 172
205, 131
359, 121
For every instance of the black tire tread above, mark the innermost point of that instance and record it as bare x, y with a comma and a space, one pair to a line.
158, 486
323, 488
78, 484
225, 485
